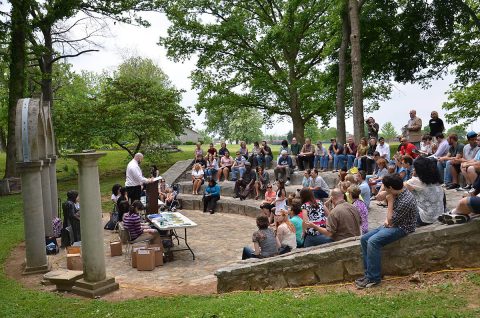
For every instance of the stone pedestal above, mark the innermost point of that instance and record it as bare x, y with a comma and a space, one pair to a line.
53, 185
47, 197
36, 257
94, 282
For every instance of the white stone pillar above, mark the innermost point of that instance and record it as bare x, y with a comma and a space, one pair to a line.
35, 250
53, 185
47, 197
95, 282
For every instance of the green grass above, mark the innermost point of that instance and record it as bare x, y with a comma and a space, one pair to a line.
17, 301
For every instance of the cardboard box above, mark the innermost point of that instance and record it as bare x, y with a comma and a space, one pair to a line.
158, 249
145, 259
74, 262
74, 250
115, 248
134, 253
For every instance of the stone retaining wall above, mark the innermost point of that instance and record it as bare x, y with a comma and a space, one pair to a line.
430, 248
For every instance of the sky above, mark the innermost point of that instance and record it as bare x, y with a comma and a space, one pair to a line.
122, 41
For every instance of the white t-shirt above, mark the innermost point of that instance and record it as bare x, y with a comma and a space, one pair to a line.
384, 150
429, 199
197, 174
134, 175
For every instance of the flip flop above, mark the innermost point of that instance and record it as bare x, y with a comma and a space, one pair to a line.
382, 205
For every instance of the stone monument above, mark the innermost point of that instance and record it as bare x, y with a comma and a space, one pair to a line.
95, 281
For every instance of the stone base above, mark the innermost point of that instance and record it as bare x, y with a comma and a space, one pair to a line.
92, 290
63, 279
37, 270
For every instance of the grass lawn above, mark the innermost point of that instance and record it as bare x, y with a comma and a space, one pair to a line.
16, 301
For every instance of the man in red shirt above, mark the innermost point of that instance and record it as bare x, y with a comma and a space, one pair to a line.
407, 148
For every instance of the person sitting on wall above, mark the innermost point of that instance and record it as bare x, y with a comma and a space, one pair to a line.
244, 186
211, 196
265, 242
264, 158
269, 203
285, 231
306, 155
254, 153
198, 178
198, 151
297, 221
212, 151
223, 149
238, 168
226, 163
318, 186
243, 149
295, 149
321, 157
200, 160
284, 167
262, 181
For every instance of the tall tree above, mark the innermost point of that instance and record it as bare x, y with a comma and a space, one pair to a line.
245, 124
342, 78
388, 131
267, 55
18, 34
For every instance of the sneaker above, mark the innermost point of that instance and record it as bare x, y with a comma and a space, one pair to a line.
453, 186
287, 183
451, 219
465, 188
366, 283
359, 280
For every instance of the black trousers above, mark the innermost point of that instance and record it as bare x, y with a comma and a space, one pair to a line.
303, 161
210, 202
134, 193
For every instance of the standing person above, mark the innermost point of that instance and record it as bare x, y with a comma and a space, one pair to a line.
350, 152
115, 193
321, 156
265, 156
226, 163
262, 181
123, 197
211, 196
71, 215
373, 128
318, 186
306, 155
401, 219
295, 148
435, 124
383, 149
135, 178
414, 129
337, 151
426, 189
284, 167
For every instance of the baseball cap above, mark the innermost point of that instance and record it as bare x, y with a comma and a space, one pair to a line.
471, 134
284, 152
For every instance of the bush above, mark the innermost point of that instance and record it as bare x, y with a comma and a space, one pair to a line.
176, 142
189, 143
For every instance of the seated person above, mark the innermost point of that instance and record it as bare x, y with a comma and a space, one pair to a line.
265, 242
264, 158
336, 151
297, 221
223, 149
284, 167
123, 208
115, 193
426, 145
198, 151
200, 160
362, 208
314, 217
139, 231
211, 196
306, 155
238, 168
285, 233
306, 178
262, 180
162, 190
212, 167
243, 149
170, 196
375, 180
342, 222
406, 169
198, 178
245, 185
253, 154
466, 208
226, 163
212, 151
321, 157
268, 204
318, 185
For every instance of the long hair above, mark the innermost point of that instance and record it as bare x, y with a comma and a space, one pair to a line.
136, 206
286, 220
427, 171
116, 187
306, 195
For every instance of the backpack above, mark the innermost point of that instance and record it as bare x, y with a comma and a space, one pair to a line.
51, 245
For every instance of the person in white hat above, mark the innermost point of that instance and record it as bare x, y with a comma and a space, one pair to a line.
284, 167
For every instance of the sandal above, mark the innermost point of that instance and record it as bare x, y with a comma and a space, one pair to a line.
382, 205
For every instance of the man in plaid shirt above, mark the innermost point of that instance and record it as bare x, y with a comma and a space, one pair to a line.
401, 220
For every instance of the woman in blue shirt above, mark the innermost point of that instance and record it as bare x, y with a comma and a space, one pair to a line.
211, 196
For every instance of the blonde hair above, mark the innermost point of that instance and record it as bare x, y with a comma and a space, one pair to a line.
354, 191
197, 165
286, 220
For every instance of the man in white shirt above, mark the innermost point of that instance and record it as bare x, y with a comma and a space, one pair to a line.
383, 149
318, 186
135, 178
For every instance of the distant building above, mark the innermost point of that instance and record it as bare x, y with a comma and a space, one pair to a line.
190, 135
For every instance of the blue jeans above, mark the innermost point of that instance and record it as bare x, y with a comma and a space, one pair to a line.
248, 252
444, 170
357, 163
323, 160
314, 240
339, 159
266, 159
350, 160
211, 172
238, 170
372, 244
320, 194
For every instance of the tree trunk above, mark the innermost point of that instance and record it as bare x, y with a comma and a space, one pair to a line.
356, 60
341, 85
17, 76
298, 127
3, 140
47, 67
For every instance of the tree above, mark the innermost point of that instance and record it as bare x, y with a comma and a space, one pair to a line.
312, 131
328, 133
388, 131
459, 130
265, 55
139, 106
246, 125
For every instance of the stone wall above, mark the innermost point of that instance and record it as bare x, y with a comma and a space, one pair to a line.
430, 248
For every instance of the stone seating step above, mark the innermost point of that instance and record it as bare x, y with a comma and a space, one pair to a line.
63, 279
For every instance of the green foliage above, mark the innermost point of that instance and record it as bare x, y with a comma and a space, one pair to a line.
327, 133
206, 138
459, 130
463, 104
246, 125
388, 131
312, 131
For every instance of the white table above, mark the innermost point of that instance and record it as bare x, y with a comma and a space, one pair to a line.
173, 221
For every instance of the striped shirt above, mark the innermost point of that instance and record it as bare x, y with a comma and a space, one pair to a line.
131, 222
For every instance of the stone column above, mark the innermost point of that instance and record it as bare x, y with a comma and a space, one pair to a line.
35, 251
95, 282
47, 197
53, 185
